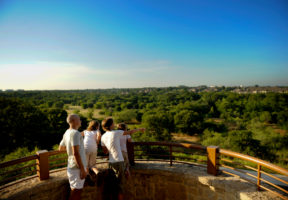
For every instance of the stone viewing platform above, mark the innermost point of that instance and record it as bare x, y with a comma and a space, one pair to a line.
149, 180
218, 174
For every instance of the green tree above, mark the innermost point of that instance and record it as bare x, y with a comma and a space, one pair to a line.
126, 116
213, 138
57, 125
159, 126
58, 104
265, 117
243, 142
22, 125
84, 105
98, 105
187, 121
90, 114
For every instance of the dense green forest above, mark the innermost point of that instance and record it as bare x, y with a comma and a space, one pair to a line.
254, 124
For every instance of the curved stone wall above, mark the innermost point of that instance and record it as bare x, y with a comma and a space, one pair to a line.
181, 181
148, 181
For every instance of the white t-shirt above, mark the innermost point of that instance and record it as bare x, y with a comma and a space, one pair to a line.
111, 140
123, 142
72, 138
90, 143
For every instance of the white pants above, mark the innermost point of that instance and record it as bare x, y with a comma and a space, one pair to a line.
74, 178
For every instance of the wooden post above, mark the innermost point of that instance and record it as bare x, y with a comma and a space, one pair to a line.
170, 154
42, 164
258, 176
130, 149
212, 160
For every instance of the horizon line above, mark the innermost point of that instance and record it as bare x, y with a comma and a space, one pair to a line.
147, 87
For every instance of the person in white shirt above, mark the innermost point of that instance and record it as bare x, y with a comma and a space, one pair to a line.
123, 145
92, 137
110, 142
72, 142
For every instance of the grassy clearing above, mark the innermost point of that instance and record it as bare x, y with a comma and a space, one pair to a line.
180, 137
85, 112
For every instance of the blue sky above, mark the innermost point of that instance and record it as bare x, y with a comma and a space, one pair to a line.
104, 44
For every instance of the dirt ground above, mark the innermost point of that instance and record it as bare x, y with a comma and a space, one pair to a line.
179, 137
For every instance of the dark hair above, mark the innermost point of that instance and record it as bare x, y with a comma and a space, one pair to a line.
106, 124
93, 125
122, 126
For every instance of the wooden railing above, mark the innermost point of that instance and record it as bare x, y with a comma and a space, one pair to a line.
261, 167
211, 157
167, 150
216, 158
29, 167
9, 171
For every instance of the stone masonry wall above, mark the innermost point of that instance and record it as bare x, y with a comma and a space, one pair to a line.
148, 181
158, 181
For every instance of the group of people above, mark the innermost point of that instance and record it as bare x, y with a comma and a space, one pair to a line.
82, 151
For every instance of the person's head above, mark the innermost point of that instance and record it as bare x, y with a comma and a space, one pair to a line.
74, 121
108, 124
122, 126
93, 125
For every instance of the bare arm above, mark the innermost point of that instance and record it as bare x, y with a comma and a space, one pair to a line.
105, 150
82, 133
77, 157
78, 160
98, 137
134, 131
61, 148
